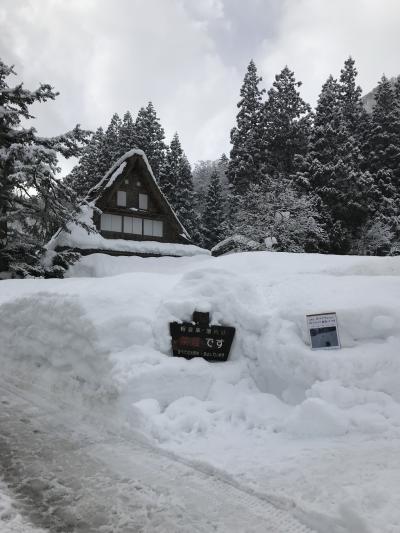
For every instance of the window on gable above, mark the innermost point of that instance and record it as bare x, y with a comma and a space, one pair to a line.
153, 228
143, 201
121, 198
133, 225
157, 228
111, 222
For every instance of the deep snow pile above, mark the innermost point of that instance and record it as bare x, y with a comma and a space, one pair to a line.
319, 427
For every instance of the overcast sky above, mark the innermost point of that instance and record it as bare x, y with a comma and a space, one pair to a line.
187, 56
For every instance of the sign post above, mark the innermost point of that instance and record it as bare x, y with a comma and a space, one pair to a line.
323, 330
201, 339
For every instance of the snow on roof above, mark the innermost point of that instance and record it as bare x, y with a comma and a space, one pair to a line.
116, 170
112, 174
79, 238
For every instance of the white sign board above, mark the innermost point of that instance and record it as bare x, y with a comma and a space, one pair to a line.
323, 330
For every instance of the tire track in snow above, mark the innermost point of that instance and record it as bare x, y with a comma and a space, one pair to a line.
75, 475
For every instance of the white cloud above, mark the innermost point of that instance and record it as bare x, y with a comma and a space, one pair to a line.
187, 56
112, 56
315, 37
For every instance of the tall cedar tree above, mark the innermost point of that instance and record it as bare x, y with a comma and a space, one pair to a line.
332, 167
320, 171
213, 215
32, 201
150, 137
111, 150
91, 168
176, 182
357, 189
170, 169
382, 153
286, 123
245, 165
106, 148
127, 134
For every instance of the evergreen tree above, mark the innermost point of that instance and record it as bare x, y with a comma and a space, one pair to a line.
98, 157
185, 200
352, 108
332, 168
176, 182
359, 191
202, 173
150, 137
245, 165
213, 215
286, 125
319, 172
127, 135
382, 158
170, 169
32, 200
382, 146
91, 167
111, 150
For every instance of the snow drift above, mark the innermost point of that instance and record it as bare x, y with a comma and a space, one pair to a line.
268, 413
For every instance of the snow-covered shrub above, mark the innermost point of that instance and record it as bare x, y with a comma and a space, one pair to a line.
276, 212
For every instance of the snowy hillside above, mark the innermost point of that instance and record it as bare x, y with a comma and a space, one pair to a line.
318, 428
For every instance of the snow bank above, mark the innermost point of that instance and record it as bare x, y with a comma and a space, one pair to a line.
277, 413
46, 339
102, 265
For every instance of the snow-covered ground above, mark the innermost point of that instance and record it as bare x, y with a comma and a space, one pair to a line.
11, 520
318, 428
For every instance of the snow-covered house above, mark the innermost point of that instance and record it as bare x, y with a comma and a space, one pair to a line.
129, 215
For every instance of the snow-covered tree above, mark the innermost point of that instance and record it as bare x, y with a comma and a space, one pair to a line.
127, 134
170, 168
32, 201
213, 214
332, 169
91, 167
111, 149
150, 137
273, 213
245, 164
375, 238
202, 172
352, 108
286, 125
176, 182
185, 201
382, 152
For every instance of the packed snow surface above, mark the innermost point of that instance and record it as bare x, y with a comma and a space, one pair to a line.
320, 428
11, 520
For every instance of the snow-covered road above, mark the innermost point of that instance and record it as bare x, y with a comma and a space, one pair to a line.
82, 472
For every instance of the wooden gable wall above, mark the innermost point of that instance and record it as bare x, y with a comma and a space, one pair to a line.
135, 180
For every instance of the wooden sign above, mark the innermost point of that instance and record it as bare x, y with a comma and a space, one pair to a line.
201, 339
323, 330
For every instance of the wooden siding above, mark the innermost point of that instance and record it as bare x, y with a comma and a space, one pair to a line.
134, 180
